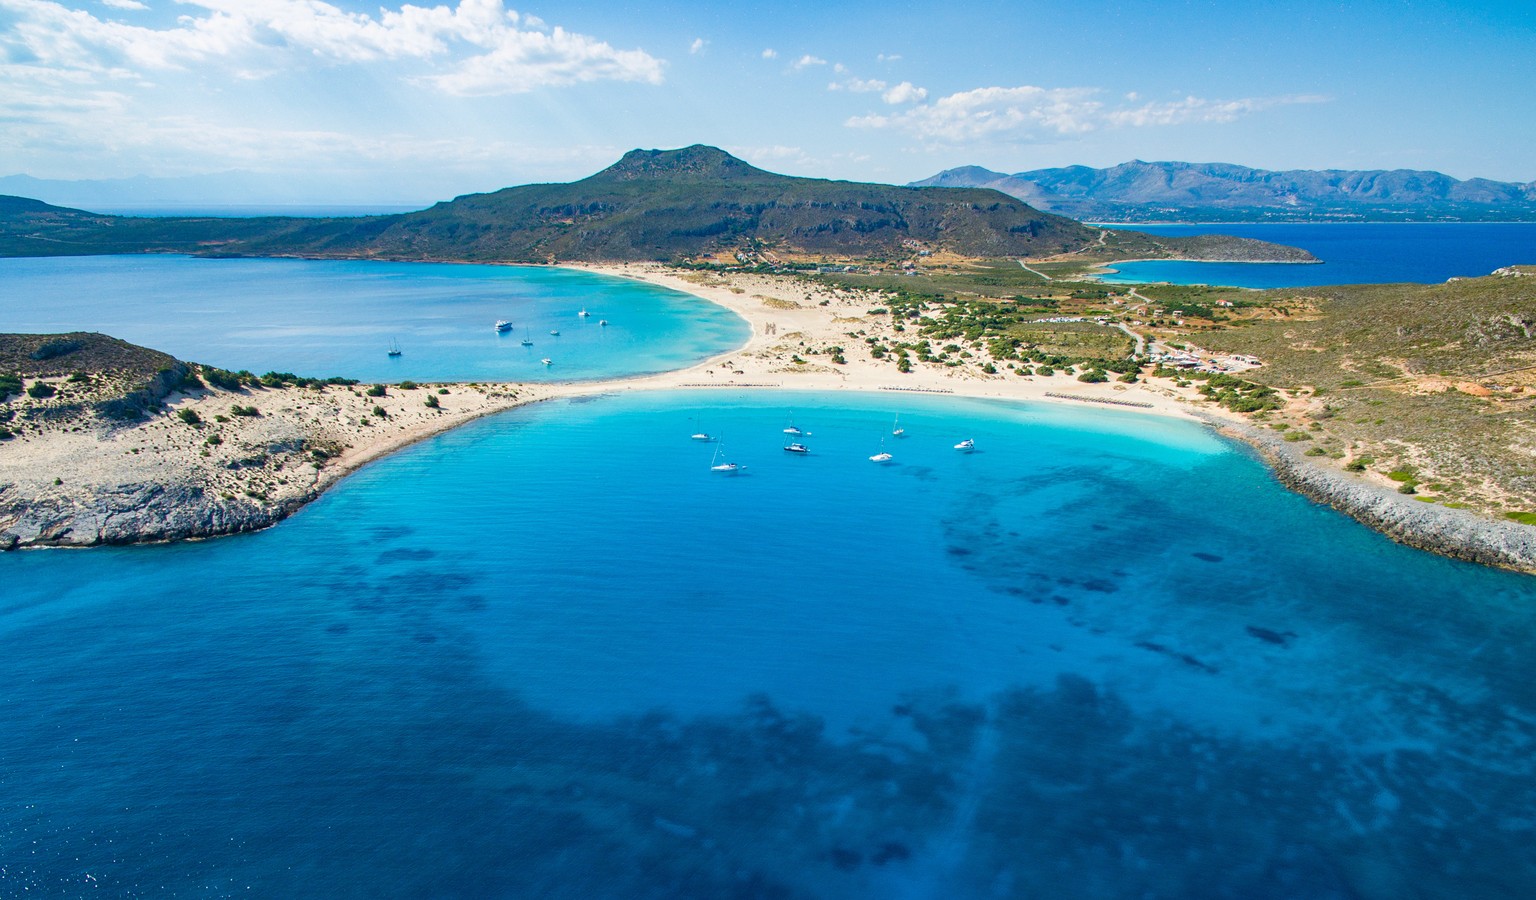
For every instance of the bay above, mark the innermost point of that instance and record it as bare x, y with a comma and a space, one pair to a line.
552, 654
320, 318
1352, 253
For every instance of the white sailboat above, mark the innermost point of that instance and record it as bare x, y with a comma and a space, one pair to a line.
726, 468
583, 312
526, 341
394, 348
882, 456
796, 447
896, 429
699, 434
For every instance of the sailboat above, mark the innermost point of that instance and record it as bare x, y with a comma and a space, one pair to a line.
699, 434
896, 429
526, 342
394, 348
882, 456
796, 447
792, 429
727, 468
583, 312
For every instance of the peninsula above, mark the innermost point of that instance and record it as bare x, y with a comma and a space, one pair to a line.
124, 445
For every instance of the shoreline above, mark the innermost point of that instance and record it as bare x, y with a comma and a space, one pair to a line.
186, 493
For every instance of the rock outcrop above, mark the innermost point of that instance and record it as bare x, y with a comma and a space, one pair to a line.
1456, 533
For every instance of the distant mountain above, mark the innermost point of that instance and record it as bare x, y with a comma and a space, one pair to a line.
1143, 191
666, 205
221, 192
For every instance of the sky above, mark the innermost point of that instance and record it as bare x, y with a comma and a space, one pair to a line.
402, 103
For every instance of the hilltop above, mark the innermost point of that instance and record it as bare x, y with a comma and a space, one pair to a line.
692, 204
1205, 192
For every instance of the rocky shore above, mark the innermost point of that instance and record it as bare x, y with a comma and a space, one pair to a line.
1456, 533
195, 467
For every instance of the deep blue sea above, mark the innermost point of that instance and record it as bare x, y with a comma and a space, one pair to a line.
1373, 253
551, 654
322, 318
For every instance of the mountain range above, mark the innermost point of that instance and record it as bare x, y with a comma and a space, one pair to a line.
1218, 192
695, 203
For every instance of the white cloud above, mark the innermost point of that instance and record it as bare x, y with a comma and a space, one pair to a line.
1028, 112
698, 45
477, 47
888, 57
770, 53
124, 4
1196, 109
806, 61
905, 92
857, 85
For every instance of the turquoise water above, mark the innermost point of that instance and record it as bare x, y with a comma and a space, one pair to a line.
1374, 253
323, 318
550, 654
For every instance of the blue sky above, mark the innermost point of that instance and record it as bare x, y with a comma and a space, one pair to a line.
379, 103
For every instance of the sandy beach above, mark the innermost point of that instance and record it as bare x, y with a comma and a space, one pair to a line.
788, 319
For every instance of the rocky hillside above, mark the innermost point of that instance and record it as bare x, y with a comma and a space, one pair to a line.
652, 205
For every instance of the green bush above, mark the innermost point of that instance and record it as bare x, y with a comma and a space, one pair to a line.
55, 348
1093, 376
380, 412
407, 385
431, 401
375, 390
78, 378
189, 416
5, 433
41, 389
214, 440
247, 411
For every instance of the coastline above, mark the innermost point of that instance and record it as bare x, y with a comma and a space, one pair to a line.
185, 489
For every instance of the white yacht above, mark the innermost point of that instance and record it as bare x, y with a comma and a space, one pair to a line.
966, 446
728, 468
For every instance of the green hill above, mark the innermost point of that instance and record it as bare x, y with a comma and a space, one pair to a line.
664, 205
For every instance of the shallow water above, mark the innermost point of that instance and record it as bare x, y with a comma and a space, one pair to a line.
551, 654
327, 317
1355, 253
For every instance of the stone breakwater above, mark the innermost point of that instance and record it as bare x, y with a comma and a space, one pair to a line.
133, 514
1456, 533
